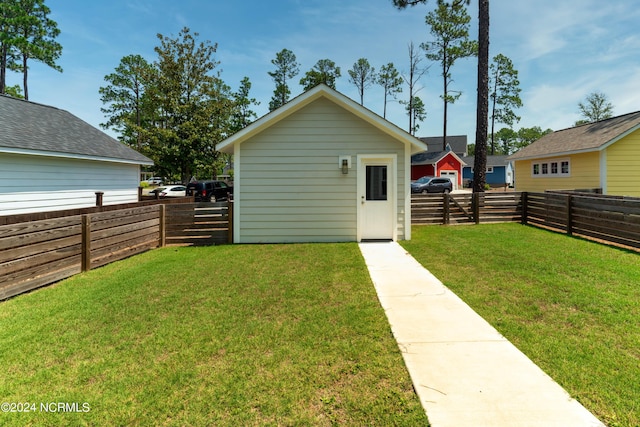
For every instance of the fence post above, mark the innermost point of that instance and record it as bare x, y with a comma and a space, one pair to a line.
569, 214
86, 243
230, 215
445, 209
524, 200
163, 226
99, 195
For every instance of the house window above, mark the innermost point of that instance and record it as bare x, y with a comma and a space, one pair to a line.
555, 168
489, 169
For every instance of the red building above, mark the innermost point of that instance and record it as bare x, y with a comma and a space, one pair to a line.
441, 163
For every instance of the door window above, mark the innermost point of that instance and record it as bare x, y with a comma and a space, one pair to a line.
376, 182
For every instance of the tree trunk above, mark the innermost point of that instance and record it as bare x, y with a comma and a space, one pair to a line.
384, 111
480, 164
493, 113
3, 69
445, 92
444, 128
25, 72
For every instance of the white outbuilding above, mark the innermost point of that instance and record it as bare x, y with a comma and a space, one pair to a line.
52, 160
321, 168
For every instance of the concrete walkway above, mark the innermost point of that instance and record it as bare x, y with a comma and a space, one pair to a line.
464, 371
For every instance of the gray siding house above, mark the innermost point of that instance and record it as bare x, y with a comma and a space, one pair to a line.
52, 160
321, 168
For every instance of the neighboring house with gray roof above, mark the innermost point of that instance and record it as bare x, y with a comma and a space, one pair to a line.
604, 155
438, 163
52, 160
458, 144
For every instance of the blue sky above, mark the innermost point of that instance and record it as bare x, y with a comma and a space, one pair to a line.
563, 51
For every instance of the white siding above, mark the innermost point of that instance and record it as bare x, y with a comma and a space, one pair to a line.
289, 187
38, 183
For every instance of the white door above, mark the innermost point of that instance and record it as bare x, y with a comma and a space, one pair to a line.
377, 199
453, 176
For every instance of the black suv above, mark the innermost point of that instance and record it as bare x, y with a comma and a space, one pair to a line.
209, 191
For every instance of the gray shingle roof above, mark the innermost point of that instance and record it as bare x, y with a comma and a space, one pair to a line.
428, 158
589, 137
27, 125
491, 160
458, 143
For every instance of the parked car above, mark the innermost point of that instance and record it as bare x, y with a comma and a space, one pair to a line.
156, 180
170, 191
432, 184
209, 191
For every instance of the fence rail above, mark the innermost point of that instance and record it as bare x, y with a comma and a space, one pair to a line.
43, 251
198, 223
466, 208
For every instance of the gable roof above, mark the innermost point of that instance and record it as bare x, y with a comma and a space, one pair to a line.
430, 158
500, 160
321, 91
458, 143
31, 128
580, 139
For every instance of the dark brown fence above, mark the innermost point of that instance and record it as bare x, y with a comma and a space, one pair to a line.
44, 251
198, 223
36, 216
466, 208
609, 219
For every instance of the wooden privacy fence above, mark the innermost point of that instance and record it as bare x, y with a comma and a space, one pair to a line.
466, 208
609, 219
40, 252
198, 223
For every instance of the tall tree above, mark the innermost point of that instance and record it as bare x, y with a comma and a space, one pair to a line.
362, 75
527, 136
286, 69
390, 80
504, 94
124, 97
595, 107
416, 71
506, 139
419, 113
35, 37
449, 25
482, 107
243, 115
9, 10
192, 106
324, 72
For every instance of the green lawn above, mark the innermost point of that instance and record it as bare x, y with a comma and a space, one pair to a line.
227, 335
571, 305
